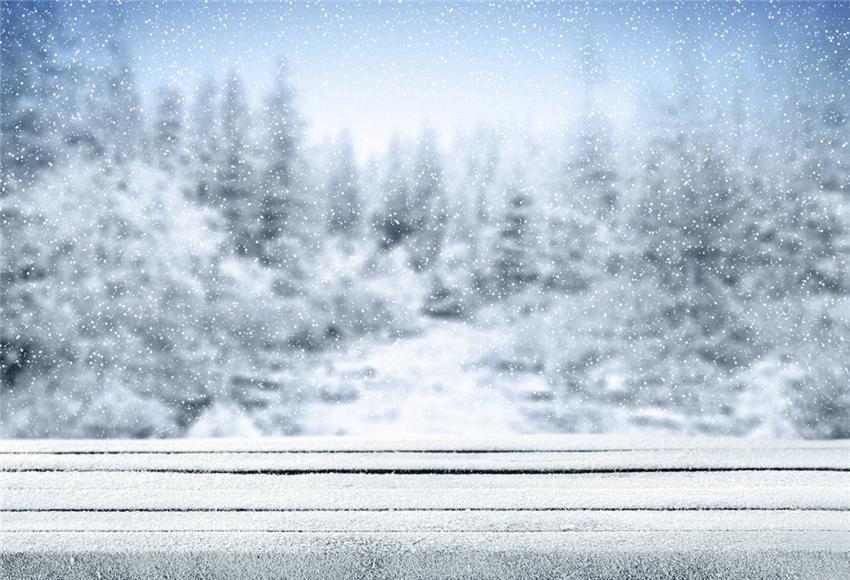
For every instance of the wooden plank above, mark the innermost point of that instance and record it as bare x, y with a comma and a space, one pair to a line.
433, 520
465, 555
549, 542
511, 508
690, 480
727, 497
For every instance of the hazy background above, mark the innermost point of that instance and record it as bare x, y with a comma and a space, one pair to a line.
378, 69
365, 218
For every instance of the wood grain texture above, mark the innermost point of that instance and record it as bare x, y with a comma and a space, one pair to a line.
524, 507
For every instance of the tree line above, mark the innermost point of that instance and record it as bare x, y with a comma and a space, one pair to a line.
157, 262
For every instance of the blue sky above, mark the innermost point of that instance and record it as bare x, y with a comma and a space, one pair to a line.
377, 68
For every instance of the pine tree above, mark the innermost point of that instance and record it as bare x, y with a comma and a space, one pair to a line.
26, 30
287, 214
168, 130
205, 151
690, 214
516, 254
689, 250
235, 195
592, 170
343, 194
394, 221
594, 179
429, 208
478, 218
586, 195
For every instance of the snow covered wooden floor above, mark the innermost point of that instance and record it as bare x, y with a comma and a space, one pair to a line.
523, 507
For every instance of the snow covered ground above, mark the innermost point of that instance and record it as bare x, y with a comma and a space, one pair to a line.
452, 377
432, 383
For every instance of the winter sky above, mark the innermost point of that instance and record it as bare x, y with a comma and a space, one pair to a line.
379, 68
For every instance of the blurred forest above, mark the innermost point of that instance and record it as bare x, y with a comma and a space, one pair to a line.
162, 263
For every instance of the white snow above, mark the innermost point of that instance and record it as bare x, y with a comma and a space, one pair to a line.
433, 383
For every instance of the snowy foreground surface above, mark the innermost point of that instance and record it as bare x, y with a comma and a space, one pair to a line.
518, 507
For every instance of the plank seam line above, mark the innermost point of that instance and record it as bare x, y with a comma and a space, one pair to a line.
425, 531
412, 509
423, 471
341, 488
